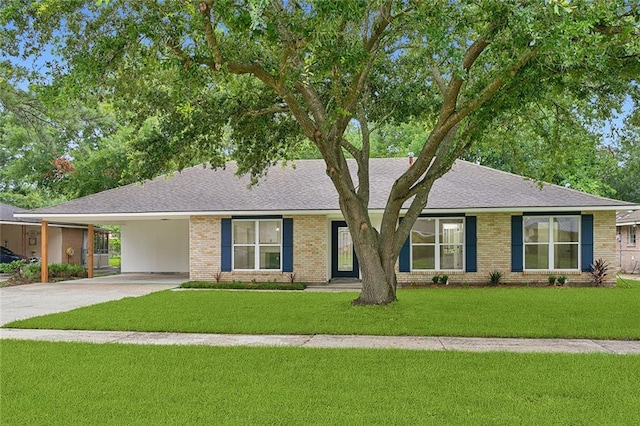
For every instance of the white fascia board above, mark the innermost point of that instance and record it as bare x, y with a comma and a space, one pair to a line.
38, 224
632, 223
117, 217
476, 210
6, 222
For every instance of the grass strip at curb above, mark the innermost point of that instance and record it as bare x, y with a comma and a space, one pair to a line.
125, 384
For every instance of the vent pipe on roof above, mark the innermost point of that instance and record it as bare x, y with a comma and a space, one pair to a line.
410, 155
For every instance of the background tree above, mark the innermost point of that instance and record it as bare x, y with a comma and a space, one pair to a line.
625, 177
555, 144
254, 78
48, 154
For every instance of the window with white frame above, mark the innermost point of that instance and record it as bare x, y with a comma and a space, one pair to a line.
631, 236
551, 242
437, 244
257, 244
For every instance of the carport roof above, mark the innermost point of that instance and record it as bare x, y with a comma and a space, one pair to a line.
304, 187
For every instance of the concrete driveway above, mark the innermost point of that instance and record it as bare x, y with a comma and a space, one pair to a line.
26, 301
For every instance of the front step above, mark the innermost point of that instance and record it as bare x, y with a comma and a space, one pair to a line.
340, 284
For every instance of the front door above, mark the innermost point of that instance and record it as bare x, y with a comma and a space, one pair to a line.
344, 263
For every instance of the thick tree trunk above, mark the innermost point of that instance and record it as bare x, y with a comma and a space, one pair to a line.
378, 283
377, 270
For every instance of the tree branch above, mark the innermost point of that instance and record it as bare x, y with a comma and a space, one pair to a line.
351, 148
363, 163
268, 111
492, 88
439, 80
212, 41
453, 91
381, 22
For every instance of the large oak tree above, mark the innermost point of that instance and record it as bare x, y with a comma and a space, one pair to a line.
254, 78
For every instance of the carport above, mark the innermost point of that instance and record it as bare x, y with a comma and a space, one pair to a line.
150, 243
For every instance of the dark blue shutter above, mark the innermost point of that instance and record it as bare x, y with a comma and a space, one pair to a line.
405, 257
287, 245
404, 262
470, 244
587, 242
225, 258
516, 244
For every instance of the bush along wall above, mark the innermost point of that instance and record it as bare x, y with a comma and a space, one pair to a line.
57, 272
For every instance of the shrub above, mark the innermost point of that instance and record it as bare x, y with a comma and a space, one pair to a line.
495, 277
11, 267
31, 272
444, 279
562, 279
66, 270
551, 279
244, 286
598, 272
57, 271
435, 279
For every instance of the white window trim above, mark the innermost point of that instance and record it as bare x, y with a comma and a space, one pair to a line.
437, 245
256, 245
551, 243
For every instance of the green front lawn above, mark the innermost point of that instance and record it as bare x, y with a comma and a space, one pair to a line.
73, 383
599, 313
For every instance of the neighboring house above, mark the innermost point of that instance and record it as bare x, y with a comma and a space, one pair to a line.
207, 222
628, 225
67, 241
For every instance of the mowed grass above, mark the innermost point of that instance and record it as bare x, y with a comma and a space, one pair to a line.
75, 383
599, 313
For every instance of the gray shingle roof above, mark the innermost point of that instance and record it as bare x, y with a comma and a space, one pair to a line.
7, 211
628, 217
307, 188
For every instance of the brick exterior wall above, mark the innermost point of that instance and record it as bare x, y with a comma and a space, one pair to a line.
494, 253
310, 249
604, 242
204, 248
72, 237
310, 252
628, 254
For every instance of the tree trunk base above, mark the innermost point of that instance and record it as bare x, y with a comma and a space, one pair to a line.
362, 302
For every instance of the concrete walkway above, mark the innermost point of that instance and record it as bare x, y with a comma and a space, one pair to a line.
31, 300
471, 344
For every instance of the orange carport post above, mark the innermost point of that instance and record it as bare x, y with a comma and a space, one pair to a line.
90, 252
44, 253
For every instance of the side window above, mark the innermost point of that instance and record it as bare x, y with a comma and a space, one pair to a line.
257, 244
551, 242
437, 244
